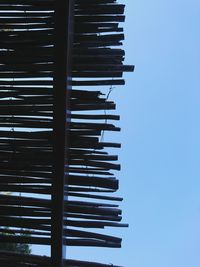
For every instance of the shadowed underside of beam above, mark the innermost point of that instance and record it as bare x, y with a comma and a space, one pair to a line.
17, 260
28, 138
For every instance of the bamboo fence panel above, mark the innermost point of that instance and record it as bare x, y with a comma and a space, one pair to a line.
27, 102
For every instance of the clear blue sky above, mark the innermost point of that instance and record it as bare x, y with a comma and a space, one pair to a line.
160, 110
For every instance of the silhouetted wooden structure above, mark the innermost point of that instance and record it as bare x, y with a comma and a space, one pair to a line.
52, 157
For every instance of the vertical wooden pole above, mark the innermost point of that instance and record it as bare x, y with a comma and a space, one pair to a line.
62, 77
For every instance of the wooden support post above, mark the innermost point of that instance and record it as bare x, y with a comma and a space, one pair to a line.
62, 83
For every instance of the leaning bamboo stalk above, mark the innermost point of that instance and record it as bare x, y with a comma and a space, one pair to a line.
86, 18
25, 239
95, 196
98, 82
94, 217
99, 10
93, 224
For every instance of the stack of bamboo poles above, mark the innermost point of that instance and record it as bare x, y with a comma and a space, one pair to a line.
26, 125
